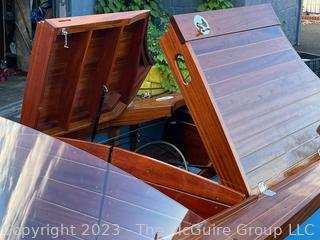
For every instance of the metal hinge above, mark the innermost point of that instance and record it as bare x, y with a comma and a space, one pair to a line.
264, 190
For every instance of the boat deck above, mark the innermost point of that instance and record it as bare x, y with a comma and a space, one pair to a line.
296, 199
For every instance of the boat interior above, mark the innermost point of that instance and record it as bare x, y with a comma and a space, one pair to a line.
248, 130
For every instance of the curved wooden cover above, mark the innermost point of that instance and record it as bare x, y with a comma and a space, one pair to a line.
72, 194
64, 85
254, 101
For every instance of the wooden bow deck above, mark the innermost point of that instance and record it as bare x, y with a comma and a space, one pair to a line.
253, 99
256, 106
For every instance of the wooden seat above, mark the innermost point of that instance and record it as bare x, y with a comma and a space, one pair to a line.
254, 101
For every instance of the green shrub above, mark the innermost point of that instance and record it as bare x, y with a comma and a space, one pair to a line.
159, 20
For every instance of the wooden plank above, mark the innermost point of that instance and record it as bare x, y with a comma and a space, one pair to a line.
35, 88
281, 86
219, 74
122, 182
254, 79
105, 65
228, 56
194, 202
184, 135
98, 150
162, 174
279, 147
234, 40
238, 20
116, 210
129, 77
140, 111
283, 163
81, 200
265, 108
205, 114
276, 134
63, 172
205, 208
78, 49
283, 115
98, 21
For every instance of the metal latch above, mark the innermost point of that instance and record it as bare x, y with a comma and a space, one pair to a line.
65, 34
264, 190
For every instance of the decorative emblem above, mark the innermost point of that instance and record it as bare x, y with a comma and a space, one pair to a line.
201, 24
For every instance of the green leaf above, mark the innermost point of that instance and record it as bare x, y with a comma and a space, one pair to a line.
154, 14
98, 8
158, 23
106, 9
102, 3
154, 6
117, 4
113, 8
201, 8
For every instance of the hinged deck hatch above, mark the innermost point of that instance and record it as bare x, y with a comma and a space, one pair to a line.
254, 101
73, 58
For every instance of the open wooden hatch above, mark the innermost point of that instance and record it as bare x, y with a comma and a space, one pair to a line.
254, 101
73, 58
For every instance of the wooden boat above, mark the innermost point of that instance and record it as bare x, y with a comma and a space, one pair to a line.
252, 100
75, 59
46, 101
52, 190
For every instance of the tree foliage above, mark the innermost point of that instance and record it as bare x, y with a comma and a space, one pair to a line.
159, 20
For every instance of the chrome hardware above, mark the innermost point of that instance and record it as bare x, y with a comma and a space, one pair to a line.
264, 190
201, 24
65, 34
